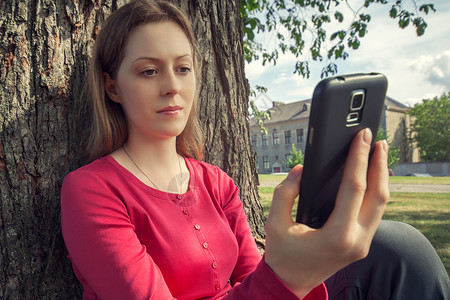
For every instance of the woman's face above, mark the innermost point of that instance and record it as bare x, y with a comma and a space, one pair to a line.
155, 83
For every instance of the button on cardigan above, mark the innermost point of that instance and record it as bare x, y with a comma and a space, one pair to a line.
127, 240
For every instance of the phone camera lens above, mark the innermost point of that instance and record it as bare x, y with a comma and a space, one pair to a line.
357, 101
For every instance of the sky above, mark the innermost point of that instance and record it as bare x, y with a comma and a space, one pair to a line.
416, 67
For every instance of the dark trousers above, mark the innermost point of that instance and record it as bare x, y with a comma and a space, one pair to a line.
401, 265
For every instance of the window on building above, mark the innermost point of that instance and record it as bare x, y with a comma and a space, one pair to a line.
287, 137
266, 164
264, 140
299, 135
276, 138
254, 141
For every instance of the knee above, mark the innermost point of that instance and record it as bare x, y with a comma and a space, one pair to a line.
402, 264
394, 240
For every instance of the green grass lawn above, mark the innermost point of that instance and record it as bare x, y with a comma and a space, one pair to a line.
419, 180
427, 212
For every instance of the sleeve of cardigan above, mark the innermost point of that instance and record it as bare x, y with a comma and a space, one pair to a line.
102, 244
252, 278
264, 284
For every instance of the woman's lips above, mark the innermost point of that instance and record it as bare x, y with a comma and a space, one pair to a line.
170, 110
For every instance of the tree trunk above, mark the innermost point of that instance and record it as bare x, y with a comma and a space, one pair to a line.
44, 51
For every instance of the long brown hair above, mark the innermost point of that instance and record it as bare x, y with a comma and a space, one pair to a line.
109, 127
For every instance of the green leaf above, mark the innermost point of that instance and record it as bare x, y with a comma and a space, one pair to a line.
421, 25
393, 12
329, 70
420, 30
252, 22
426, 8
339, 16
403, 22
261, 89
302, 68
333, 36
364, 18
339, 51
330, 52
250, 34
353, 42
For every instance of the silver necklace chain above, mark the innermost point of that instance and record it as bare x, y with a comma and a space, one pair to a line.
154, 184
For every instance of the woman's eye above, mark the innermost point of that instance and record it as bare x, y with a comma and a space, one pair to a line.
149, 73
184, 70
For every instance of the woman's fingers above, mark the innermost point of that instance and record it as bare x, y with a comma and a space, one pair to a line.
362, 197
377, 193
353, 183
284, 197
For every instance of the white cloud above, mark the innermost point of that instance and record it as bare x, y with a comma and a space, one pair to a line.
436, 69
440, 73
254, 70
282, 78
290, 88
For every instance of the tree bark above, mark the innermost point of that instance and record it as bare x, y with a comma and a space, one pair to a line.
44, 51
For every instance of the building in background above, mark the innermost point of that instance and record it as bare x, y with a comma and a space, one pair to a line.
288, 125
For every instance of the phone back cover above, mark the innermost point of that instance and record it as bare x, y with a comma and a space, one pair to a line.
329, 140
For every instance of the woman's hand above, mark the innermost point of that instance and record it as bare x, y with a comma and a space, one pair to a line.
303, 257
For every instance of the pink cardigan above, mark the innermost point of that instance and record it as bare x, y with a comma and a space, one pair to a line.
127, 240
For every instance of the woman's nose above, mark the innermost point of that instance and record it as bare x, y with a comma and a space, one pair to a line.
170, 85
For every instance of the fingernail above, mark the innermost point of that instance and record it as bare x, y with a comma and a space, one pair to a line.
367, 136
293, 174
385, 146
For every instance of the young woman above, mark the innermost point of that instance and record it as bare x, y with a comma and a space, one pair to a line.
148, 220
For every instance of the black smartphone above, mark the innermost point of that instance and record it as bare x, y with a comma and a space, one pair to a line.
341, 106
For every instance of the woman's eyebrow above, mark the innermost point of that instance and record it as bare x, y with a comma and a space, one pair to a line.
158, 59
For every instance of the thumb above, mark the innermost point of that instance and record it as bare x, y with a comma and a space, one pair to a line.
284, 196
